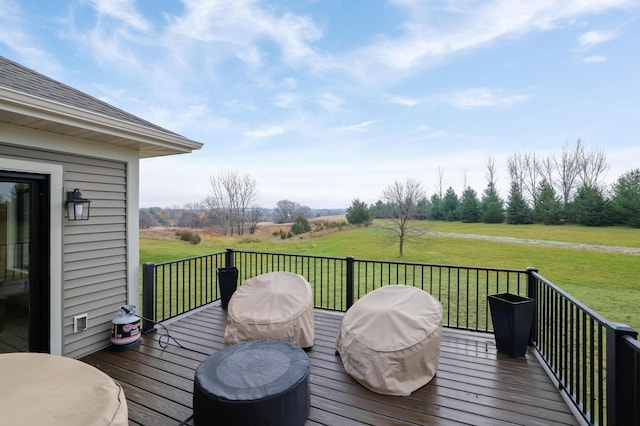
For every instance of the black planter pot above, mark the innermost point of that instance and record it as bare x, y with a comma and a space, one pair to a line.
227, 282
512, 316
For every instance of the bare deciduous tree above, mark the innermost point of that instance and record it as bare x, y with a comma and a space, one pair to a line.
592, 167
254, 216
231, 195
516, 169
567, 169
404, 196
532, 177
246, 190
525, 171
547, 168
440, 187
287, 211
492, 174
192, 216
465, 178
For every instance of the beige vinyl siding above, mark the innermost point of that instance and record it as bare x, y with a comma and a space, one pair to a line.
94, 251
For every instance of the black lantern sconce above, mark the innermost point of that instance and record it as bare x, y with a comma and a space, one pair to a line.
77, 207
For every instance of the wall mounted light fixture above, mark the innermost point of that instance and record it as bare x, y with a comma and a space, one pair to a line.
77, 207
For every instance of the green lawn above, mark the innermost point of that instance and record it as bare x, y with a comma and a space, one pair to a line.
609, 283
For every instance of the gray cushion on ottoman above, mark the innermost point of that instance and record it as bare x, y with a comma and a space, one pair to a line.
262, 382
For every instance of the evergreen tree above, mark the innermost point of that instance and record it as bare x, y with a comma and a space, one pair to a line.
469, 207
492, 205
626, 198
518, 212
591, 207
436, 208
359, 213
548, 208
422, 209
382, 210
450, 205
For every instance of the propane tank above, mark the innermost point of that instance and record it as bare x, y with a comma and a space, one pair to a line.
125, 328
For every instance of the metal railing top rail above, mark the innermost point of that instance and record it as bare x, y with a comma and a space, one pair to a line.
584, 308
186, 259
388, 262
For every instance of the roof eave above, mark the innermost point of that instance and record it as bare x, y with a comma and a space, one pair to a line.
150, 142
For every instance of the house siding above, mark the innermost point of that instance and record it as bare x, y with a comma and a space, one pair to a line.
94, 252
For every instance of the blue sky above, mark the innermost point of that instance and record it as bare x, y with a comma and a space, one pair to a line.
325, 101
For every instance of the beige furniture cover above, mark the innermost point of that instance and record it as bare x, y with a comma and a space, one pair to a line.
389, 340
43, 389
272, 306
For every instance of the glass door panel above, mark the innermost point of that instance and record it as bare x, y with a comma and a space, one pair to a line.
14, 266
24, 285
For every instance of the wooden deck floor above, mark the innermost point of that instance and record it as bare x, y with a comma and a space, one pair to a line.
474, 384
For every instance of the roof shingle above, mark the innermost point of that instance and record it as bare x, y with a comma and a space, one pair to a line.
22, 79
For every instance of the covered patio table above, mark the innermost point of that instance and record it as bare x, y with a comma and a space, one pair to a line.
44, 389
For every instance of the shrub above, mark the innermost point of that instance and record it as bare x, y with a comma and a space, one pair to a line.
300, 226
189, 236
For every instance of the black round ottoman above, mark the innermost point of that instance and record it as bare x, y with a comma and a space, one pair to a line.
260, 382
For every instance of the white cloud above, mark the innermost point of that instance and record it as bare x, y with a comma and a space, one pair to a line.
241, 25
237, 105
595, 59
468, 25
14, 33
108, 47
265, 132
330, 102
592, 38
112, 33
192, 116
482, 98
284, 100
405, 101
124, 11
290, 83
355, 127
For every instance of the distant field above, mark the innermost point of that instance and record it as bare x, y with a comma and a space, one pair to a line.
607, 282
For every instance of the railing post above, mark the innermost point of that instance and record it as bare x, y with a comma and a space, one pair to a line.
532, 293
621, 403
148, 298
228, 258
350, 280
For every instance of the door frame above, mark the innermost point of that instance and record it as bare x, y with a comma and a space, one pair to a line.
55, 173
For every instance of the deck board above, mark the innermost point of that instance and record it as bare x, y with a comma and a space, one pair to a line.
474, 383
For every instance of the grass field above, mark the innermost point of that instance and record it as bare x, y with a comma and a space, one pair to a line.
607, 282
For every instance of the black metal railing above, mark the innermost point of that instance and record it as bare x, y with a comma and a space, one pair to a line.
338, 282
594, 361
173, 288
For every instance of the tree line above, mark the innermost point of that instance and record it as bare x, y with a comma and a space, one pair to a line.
565, 188
568, 189
231, 206
550, 190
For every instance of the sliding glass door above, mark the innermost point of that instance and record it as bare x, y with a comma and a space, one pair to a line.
24, 262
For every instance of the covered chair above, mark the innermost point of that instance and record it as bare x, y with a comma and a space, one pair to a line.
389, 340
271, 306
